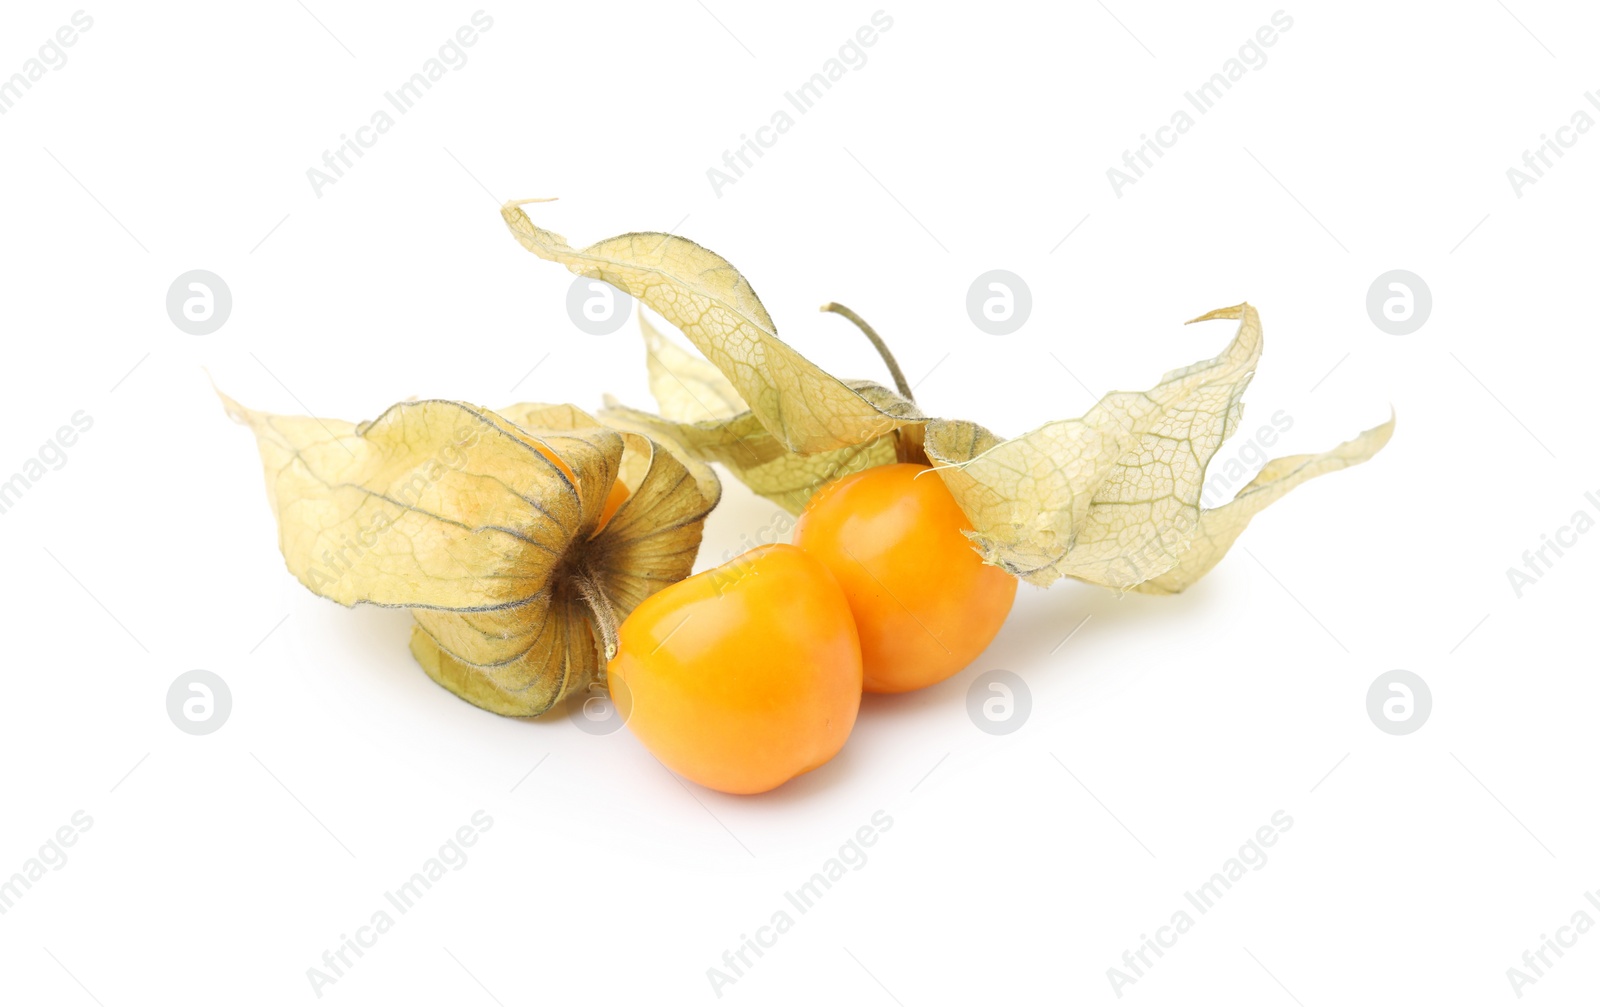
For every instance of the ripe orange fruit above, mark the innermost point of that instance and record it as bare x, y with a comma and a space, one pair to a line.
742, 677
925, 604
614, 500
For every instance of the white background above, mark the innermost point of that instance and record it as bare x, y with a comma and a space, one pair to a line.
1163, 733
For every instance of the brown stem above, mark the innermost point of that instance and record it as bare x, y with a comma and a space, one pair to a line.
602, 614
878, 344
908, 445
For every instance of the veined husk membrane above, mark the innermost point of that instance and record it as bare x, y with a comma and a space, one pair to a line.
1112, 497
486, 525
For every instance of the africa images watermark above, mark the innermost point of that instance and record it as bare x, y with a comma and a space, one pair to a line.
1535, 963
1252, 56
1225, 480
852, 856
451, 56
1158, 553
852, 56
1538, 160
51, 56
1538, 562
52, 854
52, 453
337, 563
452, 856
1252, 856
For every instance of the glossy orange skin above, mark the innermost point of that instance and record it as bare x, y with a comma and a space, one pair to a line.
742, 677
925, 604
